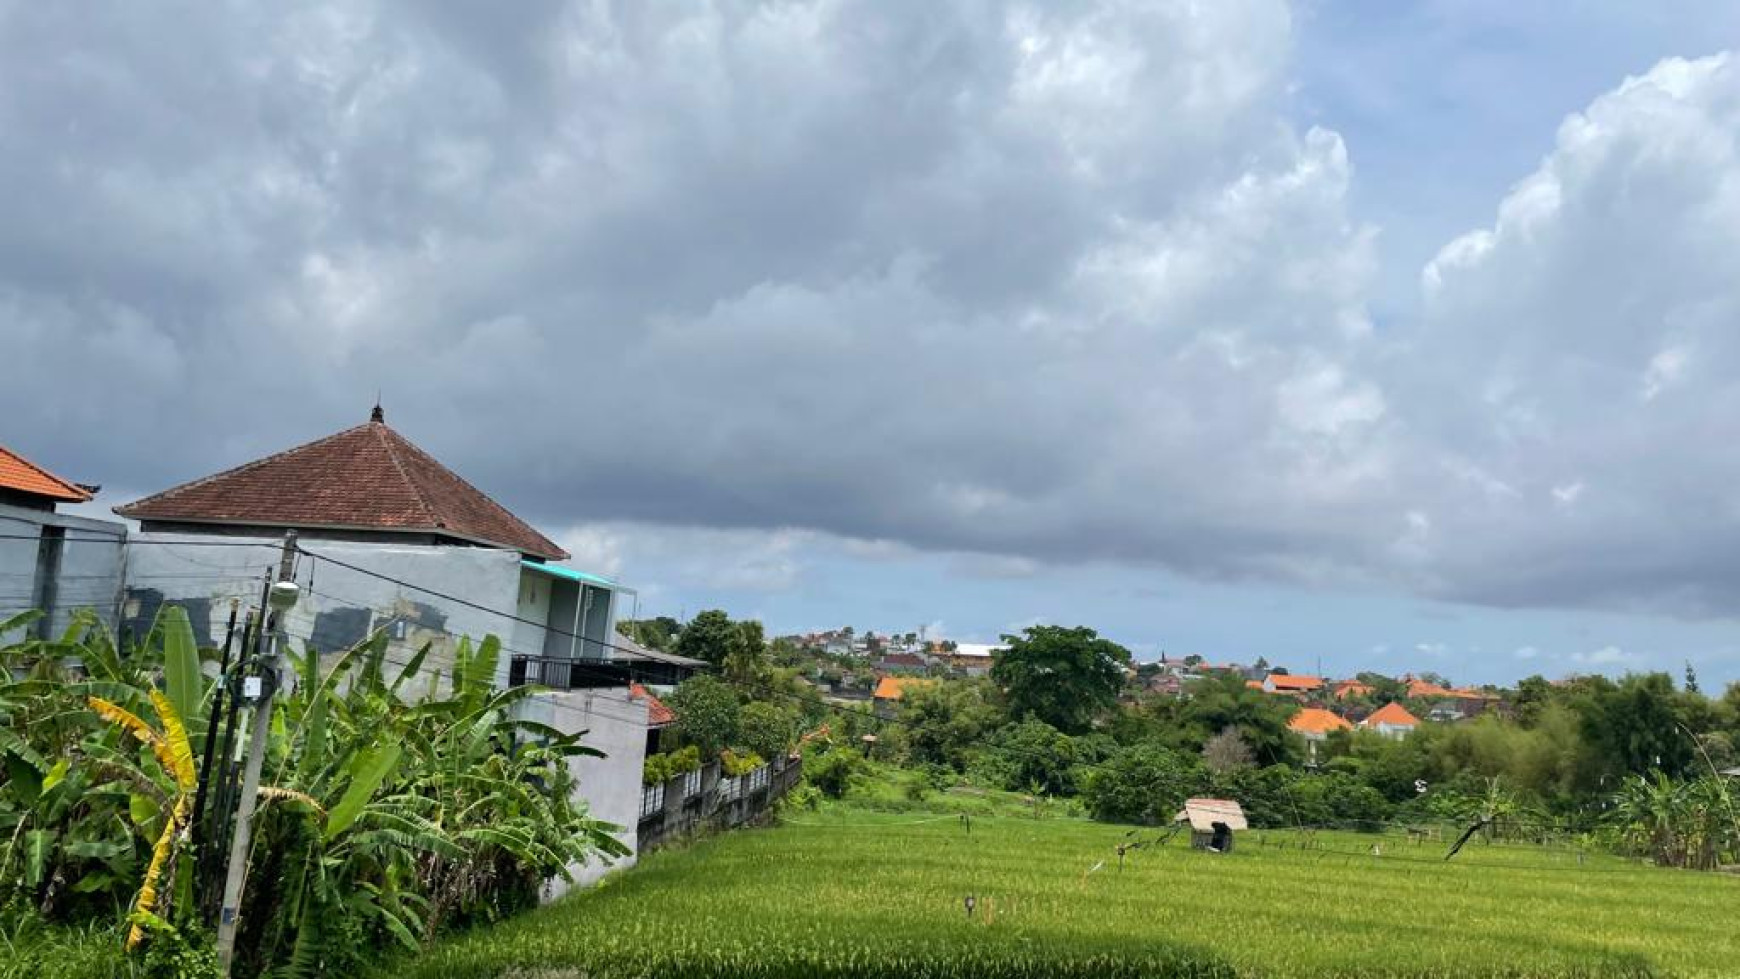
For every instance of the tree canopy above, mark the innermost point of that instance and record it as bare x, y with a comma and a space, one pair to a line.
1062, 676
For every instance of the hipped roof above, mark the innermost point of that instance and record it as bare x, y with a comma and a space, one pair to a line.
364, 478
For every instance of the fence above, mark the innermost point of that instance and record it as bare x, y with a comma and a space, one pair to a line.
704, 799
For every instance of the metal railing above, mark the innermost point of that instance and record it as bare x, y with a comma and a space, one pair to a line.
562, 673
652, 800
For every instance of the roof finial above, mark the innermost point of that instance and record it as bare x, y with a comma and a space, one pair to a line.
377, 415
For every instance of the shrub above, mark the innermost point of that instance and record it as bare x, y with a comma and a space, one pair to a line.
1144, 783
735, 765
835, 771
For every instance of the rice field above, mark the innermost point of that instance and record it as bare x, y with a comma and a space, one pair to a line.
861, 894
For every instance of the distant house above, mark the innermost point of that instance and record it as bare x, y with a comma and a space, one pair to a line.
1392, 720
1316, 724
890, 690
49, 560
1346, 689
1289, 684
1212, 823
903, 663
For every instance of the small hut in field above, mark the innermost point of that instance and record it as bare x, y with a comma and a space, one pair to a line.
1212, 823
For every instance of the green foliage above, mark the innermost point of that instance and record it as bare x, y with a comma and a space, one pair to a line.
382, 819
668, 765
1144, 783
659, 633
767, 729
1033, 756
1260, 719
734, 765
834, 771
708, 713
710, 636
946, 722
1064, 677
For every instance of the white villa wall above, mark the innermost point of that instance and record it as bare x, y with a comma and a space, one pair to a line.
616, 725
339, 607
90, 570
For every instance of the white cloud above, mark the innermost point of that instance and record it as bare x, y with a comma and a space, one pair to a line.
1526, 652
1607, 656
1594, 318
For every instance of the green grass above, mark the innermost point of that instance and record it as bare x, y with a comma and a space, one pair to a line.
851, 892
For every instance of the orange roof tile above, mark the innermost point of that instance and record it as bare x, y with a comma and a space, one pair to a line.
1393, 714
1254, 684
895, 687
1284, 681
657, 714
1315, 720
368, 477
1352, 688
21, 475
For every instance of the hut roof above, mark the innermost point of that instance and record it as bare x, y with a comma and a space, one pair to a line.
1202, 814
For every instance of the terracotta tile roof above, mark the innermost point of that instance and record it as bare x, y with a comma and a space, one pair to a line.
368, 477
895, 687
1282, 681
1426, 689
1352, 688
1315, 720
1254, 684
657, 714
1393, 714
21, 475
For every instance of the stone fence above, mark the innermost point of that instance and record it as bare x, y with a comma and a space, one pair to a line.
707, 799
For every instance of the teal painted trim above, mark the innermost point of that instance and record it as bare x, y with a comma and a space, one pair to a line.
557, 571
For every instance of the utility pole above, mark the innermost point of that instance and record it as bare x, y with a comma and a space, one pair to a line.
260, 688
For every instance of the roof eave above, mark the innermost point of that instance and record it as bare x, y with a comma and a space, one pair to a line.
133, 513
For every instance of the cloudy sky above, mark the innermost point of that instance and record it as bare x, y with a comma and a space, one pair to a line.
1378, 335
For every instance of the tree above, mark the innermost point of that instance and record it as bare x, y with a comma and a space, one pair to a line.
1691, 678
1637, 727
766, 729
1144, 783
710, 636
1261, 719
657, 633
1036, 756
1062, 676
1194, 659
708, 715
1226, 751
746, 664
946, 721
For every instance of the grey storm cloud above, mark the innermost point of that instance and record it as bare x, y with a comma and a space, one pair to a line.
1051, 282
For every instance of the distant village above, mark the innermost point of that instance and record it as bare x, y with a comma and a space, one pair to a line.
879, 667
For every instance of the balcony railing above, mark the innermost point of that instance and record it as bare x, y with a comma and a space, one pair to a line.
562, 673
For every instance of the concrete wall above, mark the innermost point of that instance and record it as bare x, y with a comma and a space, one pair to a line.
90, 571
339, 607
616, 725
534, 605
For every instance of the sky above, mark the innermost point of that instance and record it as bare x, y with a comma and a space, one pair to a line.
1353, 335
